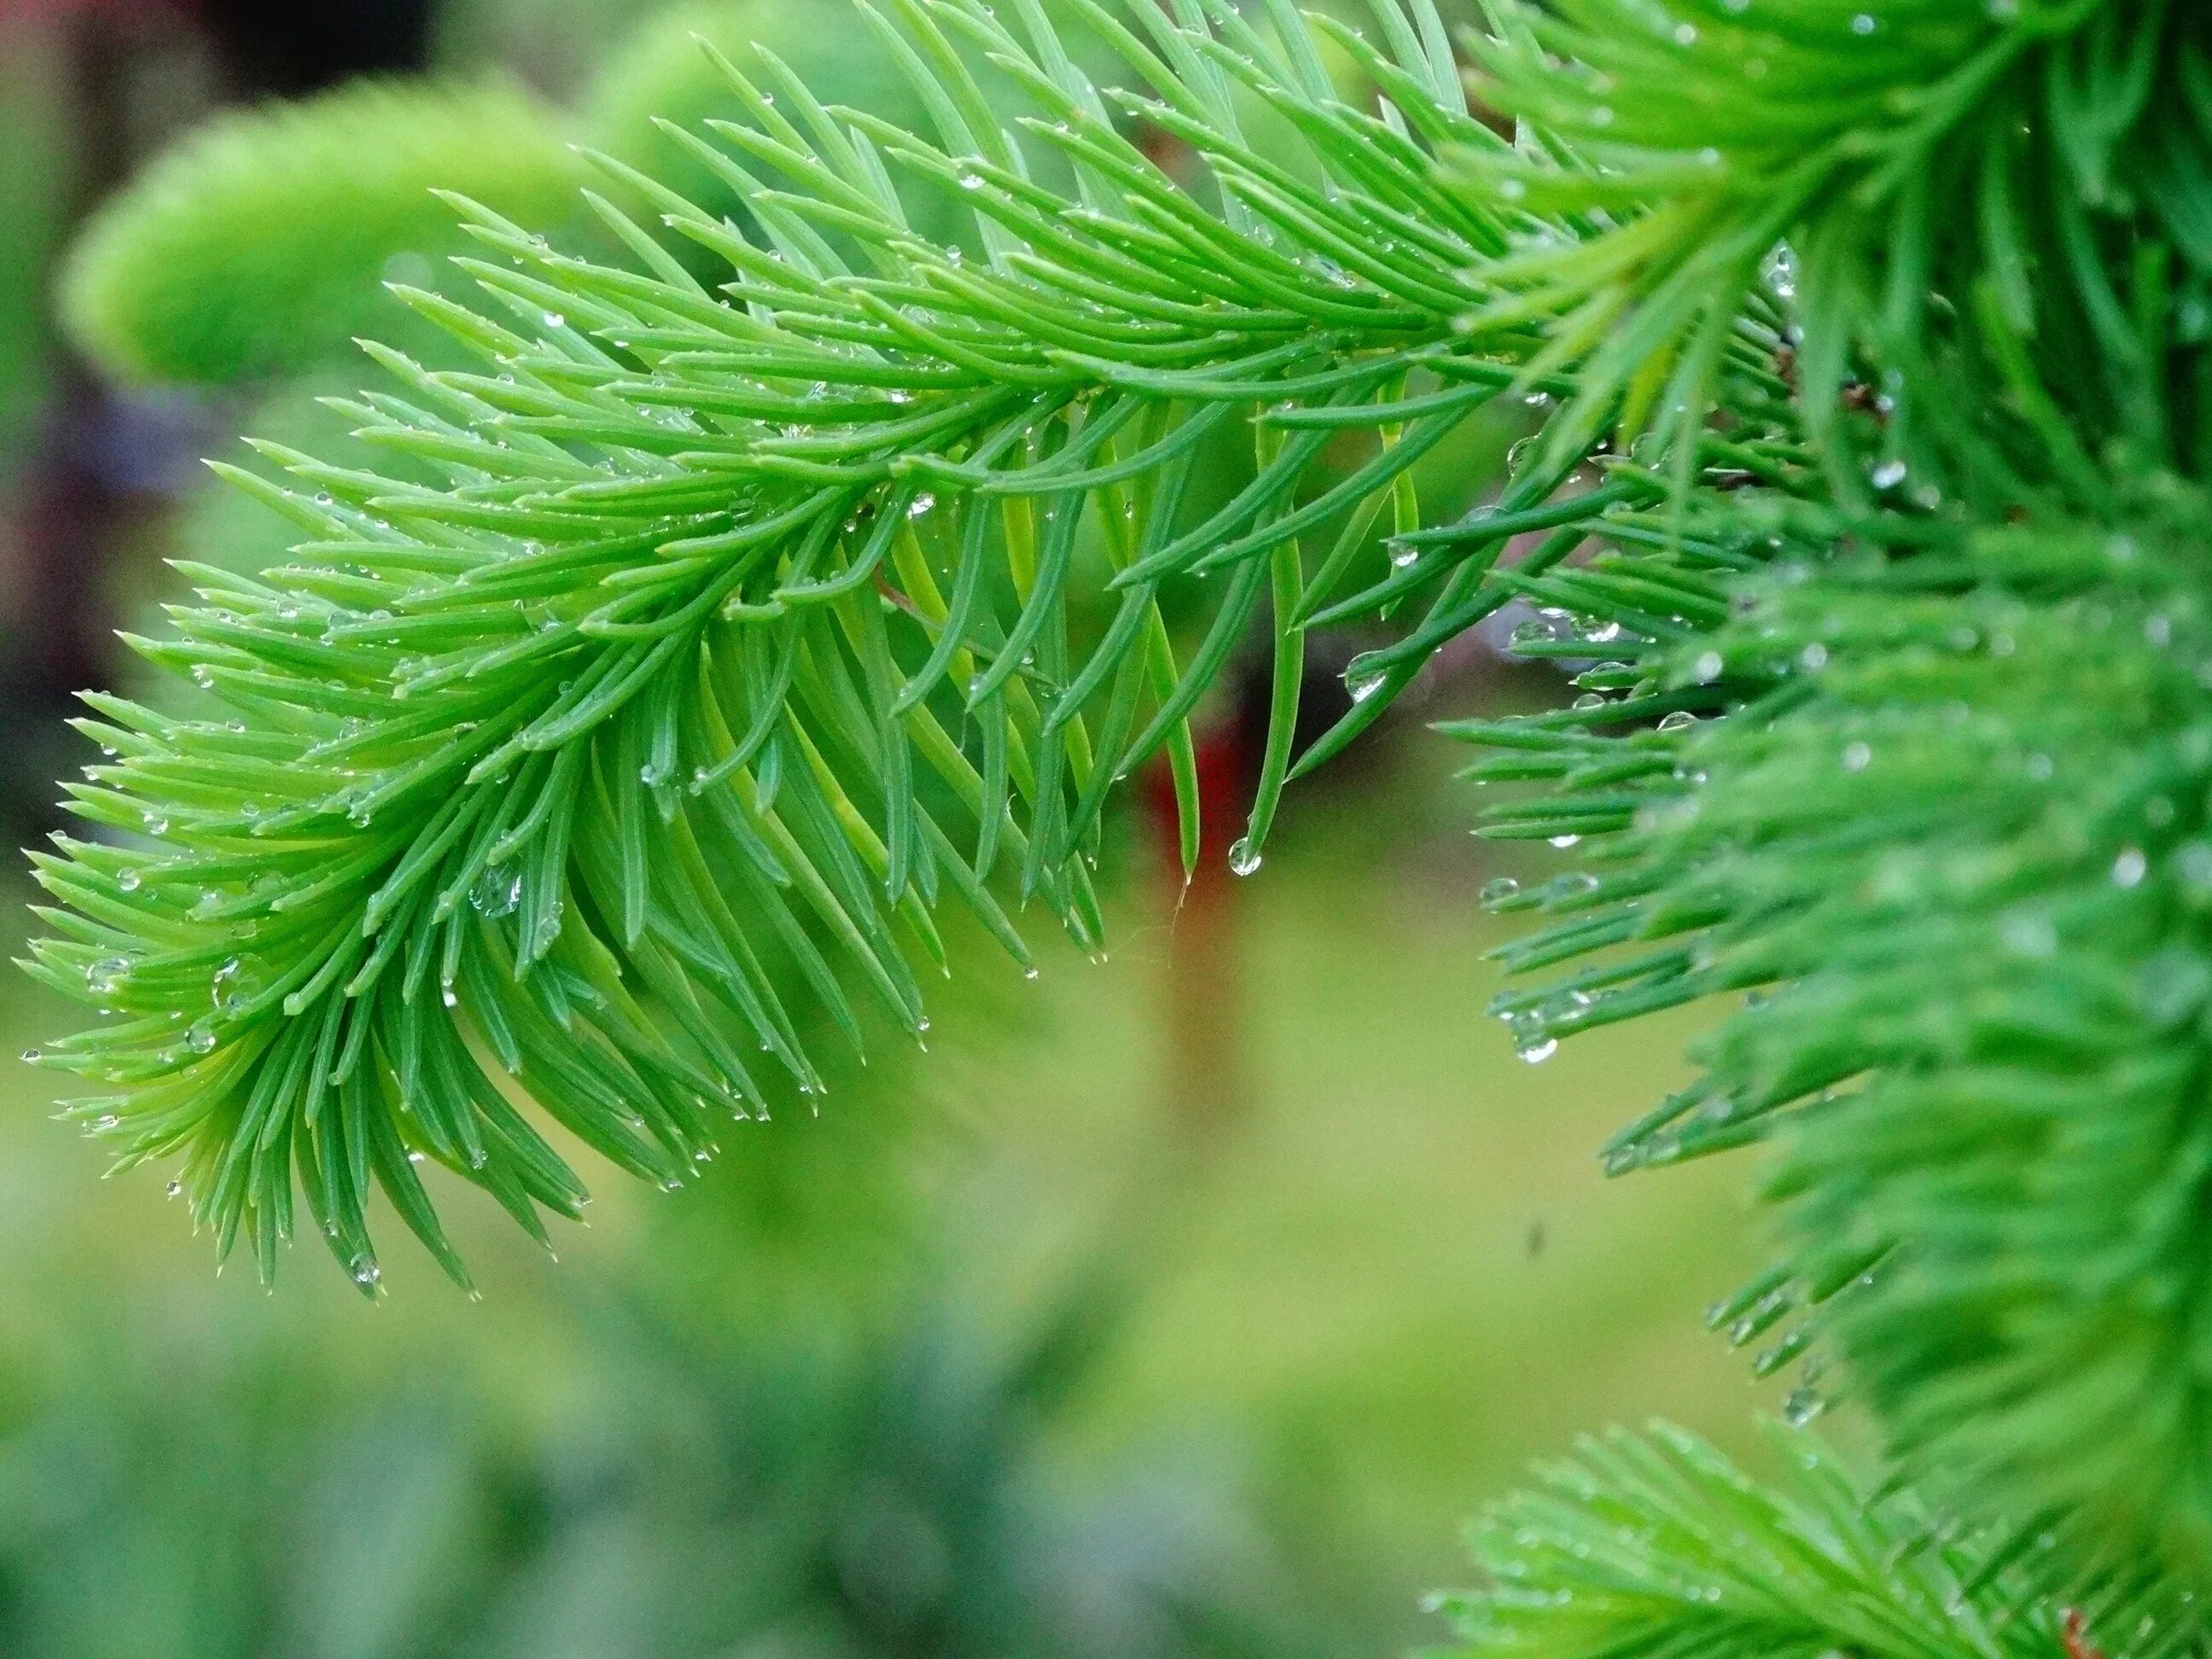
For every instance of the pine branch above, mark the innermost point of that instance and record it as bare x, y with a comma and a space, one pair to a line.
1956, 828
699, 643
1657, 1545
1904, 725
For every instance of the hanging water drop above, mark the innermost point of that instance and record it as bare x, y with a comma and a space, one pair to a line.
1243, 857
1801, 1406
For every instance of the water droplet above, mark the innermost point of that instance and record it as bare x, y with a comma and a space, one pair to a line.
555, 319
1243, 857
156, 824
446, 994
365, 1271
1681, 719
1857, 756
107, 976
33, 1056
920, 505
1363, 686
1537, 1052
1498, 890
175, 1189
497, 892
1813, 658
1887, 475
2129, 868
201, 1038
1567, 841
1801, 1406
129, 880
1708, 667
1403, 554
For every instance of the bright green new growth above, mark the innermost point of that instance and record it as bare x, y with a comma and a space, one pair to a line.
242, 250
700, 642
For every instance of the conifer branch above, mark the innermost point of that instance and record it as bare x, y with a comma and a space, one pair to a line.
1655, 1544
695, 646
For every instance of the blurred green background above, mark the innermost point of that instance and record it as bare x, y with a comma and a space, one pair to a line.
1178, 1303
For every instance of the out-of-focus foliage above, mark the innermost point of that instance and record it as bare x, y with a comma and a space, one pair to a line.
819, 1490
260, 242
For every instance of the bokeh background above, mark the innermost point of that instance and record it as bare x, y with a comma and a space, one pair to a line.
1179, 1302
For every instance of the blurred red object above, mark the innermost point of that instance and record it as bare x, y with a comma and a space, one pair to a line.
1206, 1082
